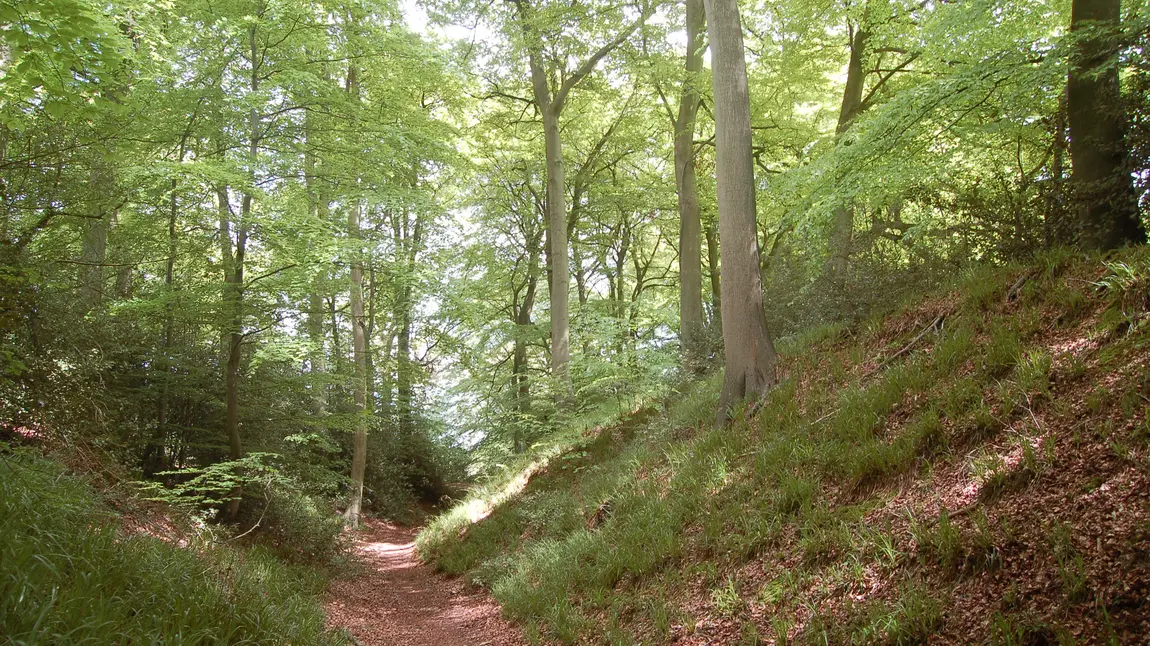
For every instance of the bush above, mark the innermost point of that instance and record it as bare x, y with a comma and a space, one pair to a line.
299, 527
70, 577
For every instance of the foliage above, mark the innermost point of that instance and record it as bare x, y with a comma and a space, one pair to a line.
71, 575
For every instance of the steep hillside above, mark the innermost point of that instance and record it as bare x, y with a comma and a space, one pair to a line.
972, 469
73, 571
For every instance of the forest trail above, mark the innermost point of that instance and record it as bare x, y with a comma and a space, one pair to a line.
398, 601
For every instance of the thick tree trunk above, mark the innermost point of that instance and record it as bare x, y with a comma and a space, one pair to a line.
842, 228
1106, 202
359, 388
750, 354
690, 257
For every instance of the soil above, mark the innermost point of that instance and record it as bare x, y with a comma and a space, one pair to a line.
398, 601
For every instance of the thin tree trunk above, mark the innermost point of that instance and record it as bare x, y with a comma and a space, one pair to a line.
551, 108
235, 282
155, 458
714, 272
690, 258
1059, 230
519, 379
95, 244
359, 349
1106, 202
750, 353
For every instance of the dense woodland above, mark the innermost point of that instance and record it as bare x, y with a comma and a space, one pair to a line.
284, 260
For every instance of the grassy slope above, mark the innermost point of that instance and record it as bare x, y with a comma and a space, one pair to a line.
69, 575
990, 485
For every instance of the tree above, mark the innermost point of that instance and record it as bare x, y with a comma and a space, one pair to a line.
748, 348
1107, 205
686, 185
550, 102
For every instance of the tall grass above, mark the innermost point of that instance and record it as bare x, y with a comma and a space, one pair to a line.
69, 576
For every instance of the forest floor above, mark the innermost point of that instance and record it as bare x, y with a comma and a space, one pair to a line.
396, 600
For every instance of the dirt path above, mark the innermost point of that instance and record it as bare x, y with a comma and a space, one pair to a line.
397, 601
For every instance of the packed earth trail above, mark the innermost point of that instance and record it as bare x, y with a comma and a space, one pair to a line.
398, 601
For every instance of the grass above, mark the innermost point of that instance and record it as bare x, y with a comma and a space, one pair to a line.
794, 486
71, 577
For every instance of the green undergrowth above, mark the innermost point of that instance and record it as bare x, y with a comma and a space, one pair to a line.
604, 538
69, 575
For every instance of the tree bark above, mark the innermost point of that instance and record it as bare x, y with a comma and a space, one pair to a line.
714, 272
1107, 206
842, 228
317, 209
749, 351
359, 349
1059, 228
690, 256
408, 238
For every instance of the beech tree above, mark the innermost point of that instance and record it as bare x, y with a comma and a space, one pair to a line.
1107, 205
551, 86
748, 348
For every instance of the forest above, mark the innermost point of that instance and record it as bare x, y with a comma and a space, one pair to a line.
574, 321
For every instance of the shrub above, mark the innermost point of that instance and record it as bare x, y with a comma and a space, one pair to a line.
71, 577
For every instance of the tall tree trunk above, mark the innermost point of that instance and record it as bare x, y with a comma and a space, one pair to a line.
750, 353
557, 223
408, 238
551, 108
155, 458
317, 209
1106, 202
842, 228
359, 348
235, 280
690, 257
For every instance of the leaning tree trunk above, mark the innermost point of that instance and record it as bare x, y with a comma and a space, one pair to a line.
750, 354
1107, 206
690, 257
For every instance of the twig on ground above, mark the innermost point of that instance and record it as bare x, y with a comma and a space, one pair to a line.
934, 325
